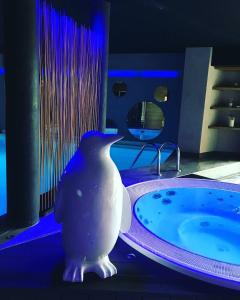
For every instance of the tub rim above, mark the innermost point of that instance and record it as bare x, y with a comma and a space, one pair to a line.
194, 265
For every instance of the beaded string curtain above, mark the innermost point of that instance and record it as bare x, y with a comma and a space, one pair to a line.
70, 80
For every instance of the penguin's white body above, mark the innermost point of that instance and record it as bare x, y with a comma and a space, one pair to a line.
93, 206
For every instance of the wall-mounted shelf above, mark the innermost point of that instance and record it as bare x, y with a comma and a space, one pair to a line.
234, 85
219, 107
228, 68
226, 88
223, 127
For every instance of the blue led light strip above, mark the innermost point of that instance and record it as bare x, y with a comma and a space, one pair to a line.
2, 71
144, 73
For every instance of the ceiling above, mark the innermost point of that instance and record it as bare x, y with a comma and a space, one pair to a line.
145, 26
151, 26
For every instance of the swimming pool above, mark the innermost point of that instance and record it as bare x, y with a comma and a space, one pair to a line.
122, 154
189, 225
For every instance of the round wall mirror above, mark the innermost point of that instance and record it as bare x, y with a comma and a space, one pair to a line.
145, 120
119, 88
111, 126
161, 94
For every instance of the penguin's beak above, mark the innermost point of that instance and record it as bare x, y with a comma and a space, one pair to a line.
113, 138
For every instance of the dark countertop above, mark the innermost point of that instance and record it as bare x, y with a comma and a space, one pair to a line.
36, 267
33, 270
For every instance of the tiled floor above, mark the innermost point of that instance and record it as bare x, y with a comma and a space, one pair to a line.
231, 173
201, 167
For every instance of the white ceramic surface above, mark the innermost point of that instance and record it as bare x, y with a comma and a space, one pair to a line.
93, 205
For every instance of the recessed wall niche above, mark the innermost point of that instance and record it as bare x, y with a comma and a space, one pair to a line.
119, 88
145, 120
161, 94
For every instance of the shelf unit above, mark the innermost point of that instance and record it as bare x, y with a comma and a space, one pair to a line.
230, 84
223, 127
226, 88
227, 108
228, 68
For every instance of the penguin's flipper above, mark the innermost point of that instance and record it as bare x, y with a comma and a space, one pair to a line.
58, 207
126, 211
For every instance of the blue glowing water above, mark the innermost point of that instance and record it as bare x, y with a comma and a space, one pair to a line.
200, 220
3, 189
122, 155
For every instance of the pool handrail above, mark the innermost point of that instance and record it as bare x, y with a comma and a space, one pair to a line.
158, 155
176, 147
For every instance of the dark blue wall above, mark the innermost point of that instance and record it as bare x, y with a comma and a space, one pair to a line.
143, 88
226, 56
2, 96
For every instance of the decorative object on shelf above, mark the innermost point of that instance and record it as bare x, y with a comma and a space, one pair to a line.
93, 206
231, 121
230, 103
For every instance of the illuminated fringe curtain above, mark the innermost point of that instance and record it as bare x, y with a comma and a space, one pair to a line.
70, 79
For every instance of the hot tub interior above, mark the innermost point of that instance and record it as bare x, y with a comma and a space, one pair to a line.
200, 220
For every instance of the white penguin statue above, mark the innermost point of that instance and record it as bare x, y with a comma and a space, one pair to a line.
93, 206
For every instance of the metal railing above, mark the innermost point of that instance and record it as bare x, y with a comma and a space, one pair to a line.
158, 155
163, 146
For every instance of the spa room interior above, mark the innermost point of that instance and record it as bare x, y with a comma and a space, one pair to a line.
120, 126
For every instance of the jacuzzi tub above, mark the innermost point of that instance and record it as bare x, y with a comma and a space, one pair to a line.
189, 225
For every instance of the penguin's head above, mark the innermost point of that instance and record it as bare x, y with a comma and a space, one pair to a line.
98, 139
